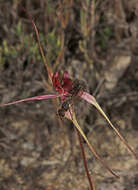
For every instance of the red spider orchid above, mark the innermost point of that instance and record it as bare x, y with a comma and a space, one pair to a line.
64, 86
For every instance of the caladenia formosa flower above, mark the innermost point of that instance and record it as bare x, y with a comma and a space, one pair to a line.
64, 87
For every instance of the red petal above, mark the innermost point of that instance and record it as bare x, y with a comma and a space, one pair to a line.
56, 83
64, 85
67, 82
43, 97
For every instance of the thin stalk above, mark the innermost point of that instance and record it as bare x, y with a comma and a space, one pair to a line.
91, 183
39, 44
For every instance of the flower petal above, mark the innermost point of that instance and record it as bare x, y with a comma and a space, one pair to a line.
89, 98
66, 75
88, 143
43, 97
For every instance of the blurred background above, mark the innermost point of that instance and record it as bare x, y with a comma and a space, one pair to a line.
96, 41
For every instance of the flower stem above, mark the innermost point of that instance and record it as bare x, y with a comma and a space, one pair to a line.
92, 187
49, 70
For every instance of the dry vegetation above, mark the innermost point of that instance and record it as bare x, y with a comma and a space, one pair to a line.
94, 40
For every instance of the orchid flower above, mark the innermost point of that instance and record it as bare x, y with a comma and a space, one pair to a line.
63, 86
